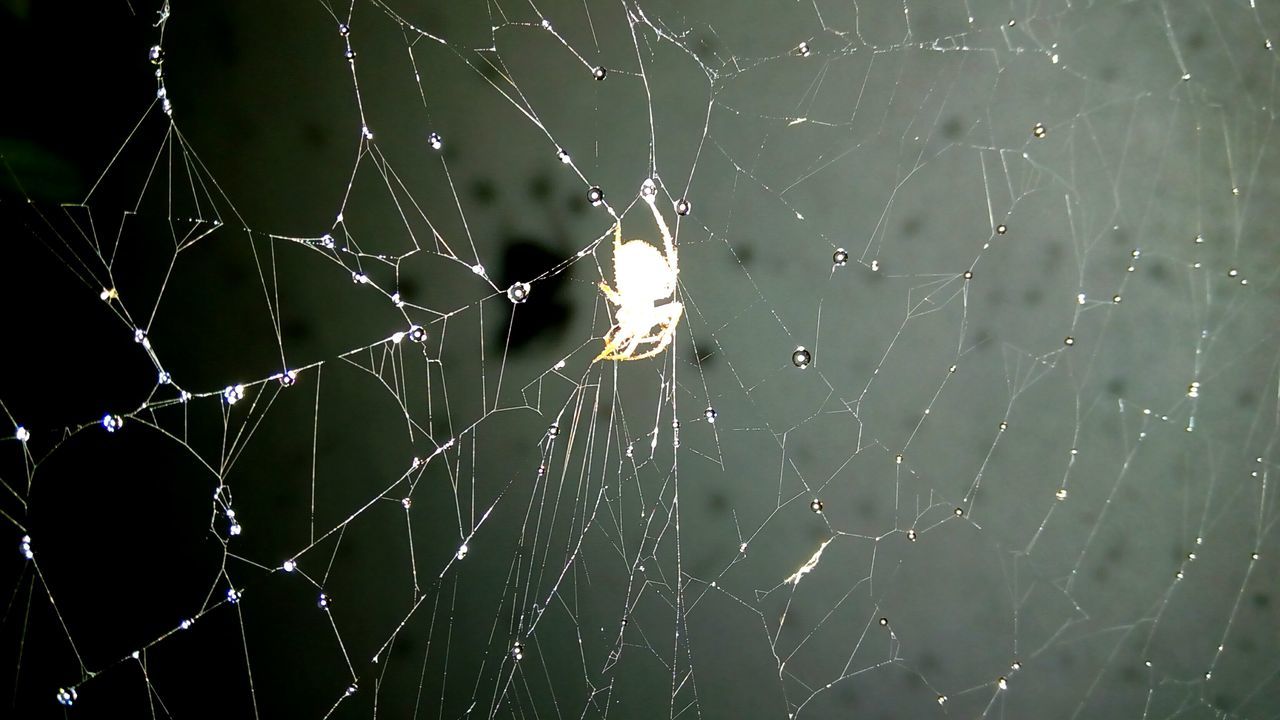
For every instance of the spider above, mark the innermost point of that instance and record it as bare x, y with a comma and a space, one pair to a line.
646, 280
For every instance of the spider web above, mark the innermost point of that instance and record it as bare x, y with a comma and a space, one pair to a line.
971, 411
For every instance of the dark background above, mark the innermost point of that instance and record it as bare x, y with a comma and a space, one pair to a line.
1062, 526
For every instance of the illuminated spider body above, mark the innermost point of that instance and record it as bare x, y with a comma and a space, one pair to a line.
646, 284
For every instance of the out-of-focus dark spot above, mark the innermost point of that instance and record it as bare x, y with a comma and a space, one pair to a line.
1158, 271
1120, 236
866, 509
1115, 553
981, 337
1223, 702
953, 128
1195, 41
408, 287
1033, 296
702, 353
545, 315
1054, 253
1131, 674
744, 254
491, 72
1108, 73
996, 296
1246, 399
911, 226
484, 192
717, 502
540, 187
1261, 600
928, 664
314, 135
1102, 573
232, 274
405, 647
576, 204
704, 47
1117, 386
294, 329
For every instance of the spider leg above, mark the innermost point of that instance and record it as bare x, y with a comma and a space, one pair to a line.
663, 342
610, 293
667, 240
628, 353
610, 345
663, 338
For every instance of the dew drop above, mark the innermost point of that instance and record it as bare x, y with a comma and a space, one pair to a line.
839, 258
801, 358
595, 196
518, 293
683, 206
1039, 131
233, 394
599, 72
